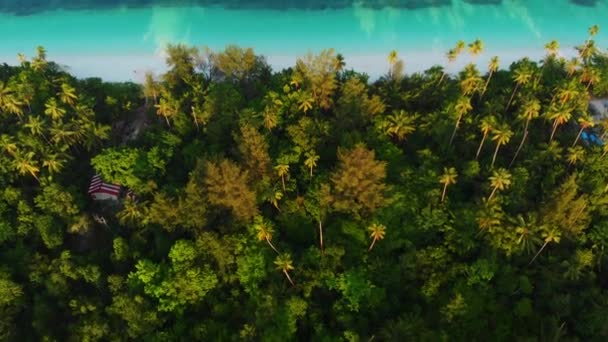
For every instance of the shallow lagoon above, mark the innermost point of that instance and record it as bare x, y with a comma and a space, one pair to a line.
119, 42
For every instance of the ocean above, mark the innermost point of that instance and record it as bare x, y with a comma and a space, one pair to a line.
121, 39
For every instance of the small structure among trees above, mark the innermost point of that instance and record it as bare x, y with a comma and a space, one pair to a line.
100, 191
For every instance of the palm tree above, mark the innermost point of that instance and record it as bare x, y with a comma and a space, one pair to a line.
476, 48
550, 235
8, 145
471, 81
264, 231
399, 125
393, 58
522, 76
585, 122
35, 124
306, 103
527, 229
282, 171
501, 136
575, 154
571, 66
559, 116
590, 75
552, 48
377, 232
500, 180
486, 126
340, 63
53, 109
448, 178
492, 68
311, 160
285, 264
53, 162
26, 164
531, 111
462, 107
460, 46
67, 94
568, 93
166, 109
593, 30
451, 55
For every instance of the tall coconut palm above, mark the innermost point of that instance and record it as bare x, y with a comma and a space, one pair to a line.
486, 126
451, 55
522, 76
471, 81
8, 144
463, 106
501, 136
584, 122
591, 76
551, 234
264, 231
476, 48
166, 108
284, 264
552, 48
527, 231
448, 178
25, 164
492, 68
593, 31
559, 115
311, 160
572, 66
54, 163
67, 94
399, 125
393, 58
377, 232
282, 171
567, 93
460, 46
530, 111
500, 180
575, 154
53, 110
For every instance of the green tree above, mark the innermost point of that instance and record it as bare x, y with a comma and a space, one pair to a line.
501, 136
377, 232
284, 264
448, 178
529, 112
500, 180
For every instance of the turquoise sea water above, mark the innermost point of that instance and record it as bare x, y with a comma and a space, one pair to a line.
116, 42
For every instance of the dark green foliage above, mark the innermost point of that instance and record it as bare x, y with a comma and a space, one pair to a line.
304, 205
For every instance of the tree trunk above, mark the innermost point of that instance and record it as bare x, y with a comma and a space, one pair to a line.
321, 235
553, 131
167, 120
588, 85
288, 277
578, 136
272, 246
495, 154
311, 171
538, 253
492, 194
455, 128
485, 135
521, 144
445, 187
441, 79
283, 180
485, 87
372, 245
512, 96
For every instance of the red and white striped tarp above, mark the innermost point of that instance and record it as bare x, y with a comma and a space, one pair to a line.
98, 186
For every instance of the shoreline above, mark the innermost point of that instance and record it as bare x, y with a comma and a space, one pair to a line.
132, 67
